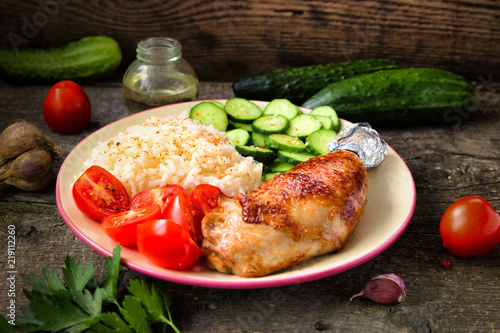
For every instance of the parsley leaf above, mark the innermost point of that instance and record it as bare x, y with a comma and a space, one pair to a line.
111, 322
48, 284
6, 326
135, 314
74, 275
153, 300
55, 313
76, 304
112, 275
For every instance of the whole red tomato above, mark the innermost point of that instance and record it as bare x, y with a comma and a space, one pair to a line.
470, 227
67, 108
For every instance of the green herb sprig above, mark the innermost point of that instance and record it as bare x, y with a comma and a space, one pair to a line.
78, 304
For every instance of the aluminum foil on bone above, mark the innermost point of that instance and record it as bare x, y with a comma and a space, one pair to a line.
362, 139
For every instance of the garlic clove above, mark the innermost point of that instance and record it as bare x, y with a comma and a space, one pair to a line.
384, 289
26, 156
32, 185
23, 136
30, 171
32, 165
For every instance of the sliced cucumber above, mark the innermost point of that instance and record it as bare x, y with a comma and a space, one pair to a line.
294, 158
219, 104
280, 166
270, 175
318, 141
242, 110
286, 143
271, 124
327, 122
323, 110
327, 111
246, 127
283, 107
303, 125
263, 155
260, 140
272, 139
238, 137
209, 114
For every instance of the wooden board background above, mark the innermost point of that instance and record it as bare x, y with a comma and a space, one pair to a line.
225, 40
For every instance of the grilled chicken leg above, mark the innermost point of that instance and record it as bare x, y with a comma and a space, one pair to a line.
308, 211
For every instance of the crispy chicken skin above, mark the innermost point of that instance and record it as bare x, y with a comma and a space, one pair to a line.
308, 211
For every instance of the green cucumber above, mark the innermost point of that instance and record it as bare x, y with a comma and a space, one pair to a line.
283, 107
246, 127
264, 139
87, 59
326, 122
294, 158
238, 137
298, 84
260, 140
303, 125
327, 111
219, 104
318, 141
286, 143
271, 124
280, 166
270, 175
207, 113
399, 97
262, 155
242, 110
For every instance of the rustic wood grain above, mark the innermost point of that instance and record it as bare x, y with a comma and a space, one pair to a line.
225, 40
447, 162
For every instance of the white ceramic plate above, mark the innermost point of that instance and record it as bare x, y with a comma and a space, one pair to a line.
391, 202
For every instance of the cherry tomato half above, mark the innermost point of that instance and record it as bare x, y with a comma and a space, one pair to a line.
156, 196
122, 227
67, 107
97, 194
180, 209
470, 227
167, 244
205, 199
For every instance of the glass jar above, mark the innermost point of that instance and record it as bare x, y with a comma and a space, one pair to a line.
159, 76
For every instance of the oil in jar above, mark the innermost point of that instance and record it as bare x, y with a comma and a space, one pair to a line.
159, 76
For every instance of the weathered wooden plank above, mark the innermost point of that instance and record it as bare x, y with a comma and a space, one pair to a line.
225, 40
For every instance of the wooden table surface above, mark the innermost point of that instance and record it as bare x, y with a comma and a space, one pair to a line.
449, 161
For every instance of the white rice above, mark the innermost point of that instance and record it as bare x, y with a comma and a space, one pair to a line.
175, 150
